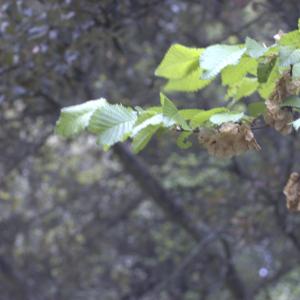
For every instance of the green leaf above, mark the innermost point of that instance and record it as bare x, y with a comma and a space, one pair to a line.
288, 56
291, 101
265, 68
233, 74
154, 109
113, 123
244, 88
170, 111
178, 62
221, 118
74, 119
154, 116
215, 58
256, 109
143, 116
158, 119
296, 124
296, 71
182, 141
291, 39
272, 51
188, 114
247, 87
254, 49
265, 89
143, 137
189, 83
204, 116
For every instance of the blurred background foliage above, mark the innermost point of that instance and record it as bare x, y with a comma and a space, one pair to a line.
78, 223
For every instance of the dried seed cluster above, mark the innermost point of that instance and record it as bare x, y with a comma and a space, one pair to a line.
228, 140
292, 192
293, 87
280, 117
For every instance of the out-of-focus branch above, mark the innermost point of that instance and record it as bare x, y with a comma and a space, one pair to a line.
12, 280
189, 260
177, 214
239, 30
267, 283
31, 150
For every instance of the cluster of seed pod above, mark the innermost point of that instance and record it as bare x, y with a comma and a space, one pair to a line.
276, 116
279, 118
292, 192
293, 87
228, 140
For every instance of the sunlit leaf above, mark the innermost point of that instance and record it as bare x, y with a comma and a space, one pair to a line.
157, 119
291, 39
215, 58
188, 114
189, 83
243, 88
233, 74
254, 49
221, 118
112, 123
204, 116
74, 119
178, 62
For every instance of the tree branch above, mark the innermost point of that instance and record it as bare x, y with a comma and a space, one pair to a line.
177, 214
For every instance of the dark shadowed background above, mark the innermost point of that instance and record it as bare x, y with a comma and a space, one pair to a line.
79, 223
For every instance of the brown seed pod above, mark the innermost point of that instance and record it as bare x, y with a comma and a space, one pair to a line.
293, 87
228, 140
280, 117
292, 192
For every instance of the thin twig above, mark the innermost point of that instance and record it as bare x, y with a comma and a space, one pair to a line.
197, 130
